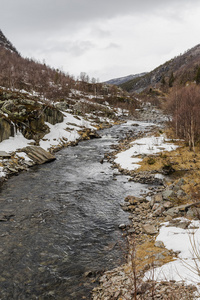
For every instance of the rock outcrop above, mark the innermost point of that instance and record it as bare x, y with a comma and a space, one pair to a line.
26, 114
7, 129
53, 115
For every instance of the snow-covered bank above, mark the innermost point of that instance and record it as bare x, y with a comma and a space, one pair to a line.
145, 146
66, 131
146, 218
14, 143
181, 239
185, 242
59, 135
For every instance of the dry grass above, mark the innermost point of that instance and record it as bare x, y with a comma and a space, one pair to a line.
148, 255
185, 163
192, 185
181, 159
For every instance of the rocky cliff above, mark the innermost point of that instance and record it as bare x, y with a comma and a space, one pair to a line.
19, 111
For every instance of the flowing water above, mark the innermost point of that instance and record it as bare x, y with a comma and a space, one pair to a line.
62, 222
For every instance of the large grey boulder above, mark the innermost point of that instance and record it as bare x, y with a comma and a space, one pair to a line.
7, 129
4, 154
181, 194
149, 229
168, 194
193, 213
38, 154
53, 115
180, 210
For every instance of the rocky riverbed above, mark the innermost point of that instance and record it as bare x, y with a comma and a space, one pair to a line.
146, 216
165, 202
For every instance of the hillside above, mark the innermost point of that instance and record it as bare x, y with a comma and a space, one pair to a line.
120, 80
6, 44
177, 71
39, 79
34, 96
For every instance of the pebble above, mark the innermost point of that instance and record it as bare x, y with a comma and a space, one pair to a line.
122, 226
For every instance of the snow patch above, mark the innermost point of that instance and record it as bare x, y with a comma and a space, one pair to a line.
66, 130
148, 145
2, 173
24, 156
185, 242
14, 143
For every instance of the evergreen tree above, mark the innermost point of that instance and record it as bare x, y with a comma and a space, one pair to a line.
171, 79
163, 82
198, 76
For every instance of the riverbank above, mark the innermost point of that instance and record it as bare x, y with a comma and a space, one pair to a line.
29, 121
169, 206
18, 154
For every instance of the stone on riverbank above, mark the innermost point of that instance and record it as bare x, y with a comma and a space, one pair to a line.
150, 229
38, 154
4, 154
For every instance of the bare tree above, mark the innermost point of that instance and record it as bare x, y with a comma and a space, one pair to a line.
184, 106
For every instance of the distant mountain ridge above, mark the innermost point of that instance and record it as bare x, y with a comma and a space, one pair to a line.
120, 80
5, 43
179, 70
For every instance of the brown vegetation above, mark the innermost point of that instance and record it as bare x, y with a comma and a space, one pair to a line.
184, 106
52, 84
19, 73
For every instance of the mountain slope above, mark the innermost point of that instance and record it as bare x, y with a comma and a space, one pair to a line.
178, 70
5, 43
51, 87
120, 80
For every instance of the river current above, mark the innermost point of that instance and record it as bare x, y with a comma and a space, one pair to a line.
62, 219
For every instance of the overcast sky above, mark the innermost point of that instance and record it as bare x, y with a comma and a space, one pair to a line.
104, 38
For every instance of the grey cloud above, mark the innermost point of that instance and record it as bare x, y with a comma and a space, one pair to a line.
74, 48
100, 33
113, 46
50, 15
79, 48
38, 19
75, 27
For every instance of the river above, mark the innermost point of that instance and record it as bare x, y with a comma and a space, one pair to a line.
59, 222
